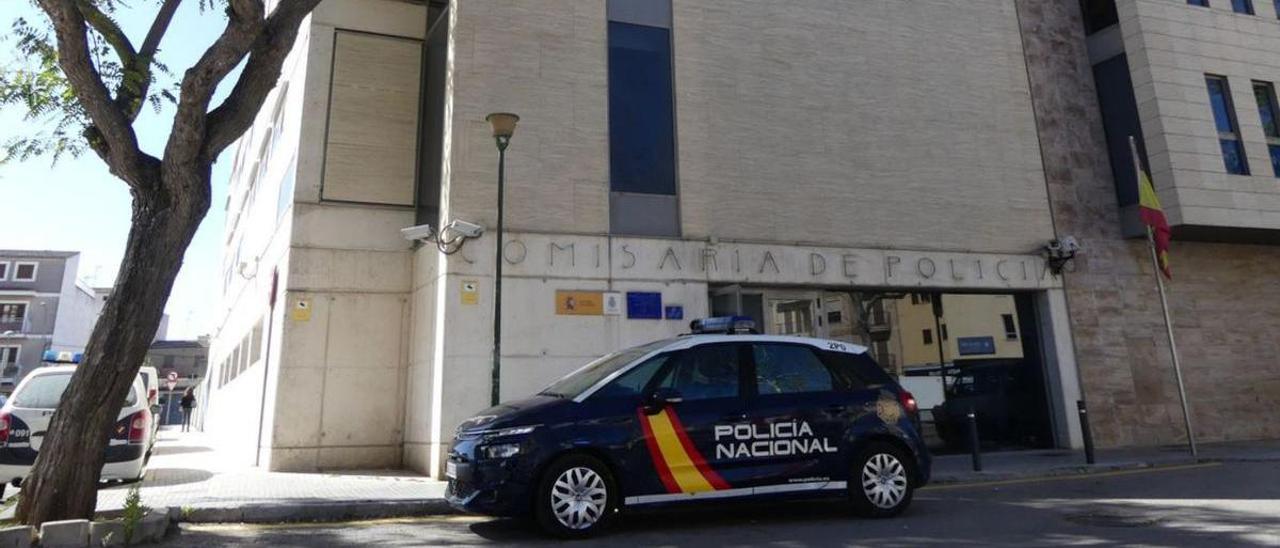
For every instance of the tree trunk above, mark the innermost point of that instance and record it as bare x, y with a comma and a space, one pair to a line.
63, 483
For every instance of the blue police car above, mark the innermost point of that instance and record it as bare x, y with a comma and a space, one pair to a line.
715, 415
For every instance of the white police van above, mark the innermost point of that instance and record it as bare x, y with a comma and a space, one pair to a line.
24, 420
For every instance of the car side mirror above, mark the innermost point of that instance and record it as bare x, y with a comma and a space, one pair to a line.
659, 398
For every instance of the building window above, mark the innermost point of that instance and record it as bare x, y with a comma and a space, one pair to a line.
642, 150
1224, 116
1265, 94
245, 353
927, 335
13, 316
4, 271
1098, 14
9, 361
1201, 3
1242, 6
1010, 327
255, 343
24, 272
943, 331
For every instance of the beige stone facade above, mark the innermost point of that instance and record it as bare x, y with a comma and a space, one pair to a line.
1225, 298
822, 149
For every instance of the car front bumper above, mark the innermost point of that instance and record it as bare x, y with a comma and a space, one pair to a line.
491, 487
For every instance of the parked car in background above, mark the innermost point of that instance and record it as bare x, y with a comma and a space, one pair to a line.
151, 381
24, 420
1001, 393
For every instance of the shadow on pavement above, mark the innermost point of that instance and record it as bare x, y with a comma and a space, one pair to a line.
1213, 506
161, 477
162, 450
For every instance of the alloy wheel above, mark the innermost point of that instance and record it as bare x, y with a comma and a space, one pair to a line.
884, 480
579, 498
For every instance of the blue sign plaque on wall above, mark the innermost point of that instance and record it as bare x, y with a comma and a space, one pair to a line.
976, 346
673, 312
643, 305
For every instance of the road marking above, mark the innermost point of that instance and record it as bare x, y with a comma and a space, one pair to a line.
1087, 475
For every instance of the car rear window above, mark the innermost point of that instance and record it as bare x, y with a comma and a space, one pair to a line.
45, 391
860, 367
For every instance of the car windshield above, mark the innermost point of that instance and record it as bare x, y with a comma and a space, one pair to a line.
44, 392
585, 377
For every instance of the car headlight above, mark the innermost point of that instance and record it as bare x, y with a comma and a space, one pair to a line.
501, 451
513, 431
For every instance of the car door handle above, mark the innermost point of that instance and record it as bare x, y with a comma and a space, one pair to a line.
835, 409
731, 417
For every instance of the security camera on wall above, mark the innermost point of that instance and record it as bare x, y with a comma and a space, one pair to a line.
419, 232
465, 229
1069, 244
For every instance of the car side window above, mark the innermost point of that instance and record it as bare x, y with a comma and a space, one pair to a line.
704, 372
632, 383
856, 371
790, 369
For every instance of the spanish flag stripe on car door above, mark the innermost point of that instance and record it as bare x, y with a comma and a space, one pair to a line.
678, 462
655, 453
705, 469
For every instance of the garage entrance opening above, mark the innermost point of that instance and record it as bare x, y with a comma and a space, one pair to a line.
956, 352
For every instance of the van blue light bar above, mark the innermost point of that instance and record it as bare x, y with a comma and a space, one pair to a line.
54, 356
723, 324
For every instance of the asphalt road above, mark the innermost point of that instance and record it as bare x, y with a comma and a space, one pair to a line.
1235, 504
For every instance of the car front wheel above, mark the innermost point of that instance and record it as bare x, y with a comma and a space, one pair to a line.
880, 481
576, 497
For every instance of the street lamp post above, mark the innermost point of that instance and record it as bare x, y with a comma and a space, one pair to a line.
504, 125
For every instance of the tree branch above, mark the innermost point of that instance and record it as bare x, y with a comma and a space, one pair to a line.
111, 134
107, 27
131, 98
186, 140
237, 111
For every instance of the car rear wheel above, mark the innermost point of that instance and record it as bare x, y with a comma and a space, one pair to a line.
880, 481
576, 497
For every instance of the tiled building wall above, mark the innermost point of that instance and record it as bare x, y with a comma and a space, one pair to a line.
785, 113
1225, 299
1171, 46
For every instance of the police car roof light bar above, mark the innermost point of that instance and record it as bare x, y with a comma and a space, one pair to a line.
54, 356
723, 324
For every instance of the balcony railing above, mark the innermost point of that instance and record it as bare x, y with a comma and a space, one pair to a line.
20, 325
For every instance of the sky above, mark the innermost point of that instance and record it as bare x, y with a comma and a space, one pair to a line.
76, 205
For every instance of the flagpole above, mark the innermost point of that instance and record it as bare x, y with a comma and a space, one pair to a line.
1173, 346
1168, 320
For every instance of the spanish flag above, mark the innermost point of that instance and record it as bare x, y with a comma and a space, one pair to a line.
1152, 215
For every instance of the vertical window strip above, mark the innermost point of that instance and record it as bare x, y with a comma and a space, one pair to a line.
1269, 113
1233, 155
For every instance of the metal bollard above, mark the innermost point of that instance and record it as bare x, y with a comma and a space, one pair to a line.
1085, 432
974, 447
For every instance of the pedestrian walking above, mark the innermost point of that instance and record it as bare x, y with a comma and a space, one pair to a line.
188, 403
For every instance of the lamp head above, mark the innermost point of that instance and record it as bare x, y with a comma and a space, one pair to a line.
504, 125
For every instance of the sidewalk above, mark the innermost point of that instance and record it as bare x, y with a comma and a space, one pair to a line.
187, 473
998, 466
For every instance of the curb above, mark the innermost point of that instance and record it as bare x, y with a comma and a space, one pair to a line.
317, 511
1083, 470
